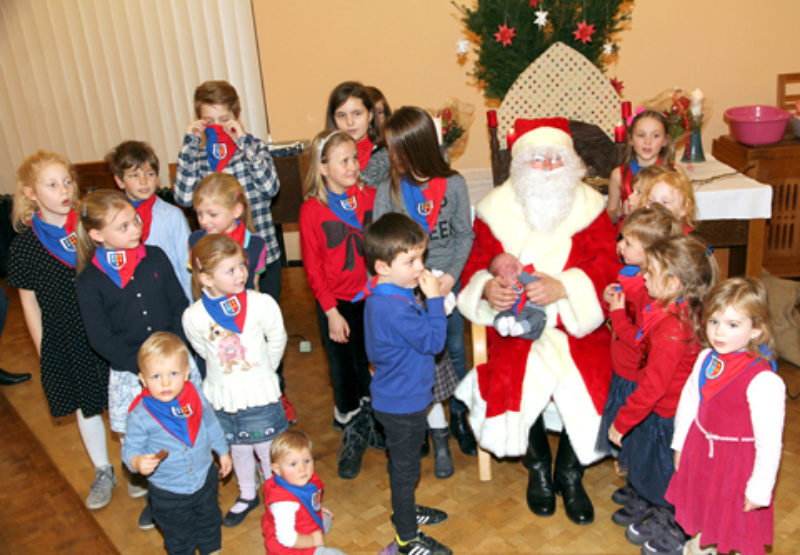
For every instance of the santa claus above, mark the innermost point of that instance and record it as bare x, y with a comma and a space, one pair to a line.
558, 227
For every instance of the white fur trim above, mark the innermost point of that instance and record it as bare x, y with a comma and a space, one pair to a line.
581, 312
542, 136
471, 302
550, 372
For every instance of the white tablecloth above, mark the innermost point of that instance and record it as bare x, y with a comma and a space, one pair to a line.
736, 197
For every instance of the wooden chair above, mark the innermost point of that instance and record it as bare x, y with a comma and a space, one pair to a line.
787, 101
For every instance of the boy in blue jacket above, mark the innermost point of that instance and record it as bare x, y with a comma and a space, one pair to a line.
401, 340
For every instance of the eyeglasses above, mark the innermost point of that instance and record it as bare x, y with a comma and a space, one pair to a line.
539, 160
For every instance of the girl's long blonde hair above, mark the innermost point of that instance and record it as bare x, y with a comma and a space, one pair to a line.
95, 211
27, 174
692, 263
315, 184
207, 253
748, 296
224, 189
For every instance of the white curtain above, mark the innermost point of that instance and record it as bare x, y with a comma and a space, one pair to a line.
79, 76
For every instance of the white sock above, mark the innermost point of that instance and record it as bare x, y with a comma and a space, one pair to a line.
516, 329
502, 325
436, 419
93, 434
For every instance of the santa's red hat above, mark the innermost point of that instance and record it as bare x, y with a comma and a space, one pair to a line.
541, 132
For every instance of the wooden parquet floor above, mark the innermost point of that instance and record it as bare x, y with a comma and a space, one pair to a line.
485, 517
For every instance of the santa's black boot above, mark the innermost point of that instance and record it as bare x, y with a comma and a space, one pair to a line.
541, 494
567, 479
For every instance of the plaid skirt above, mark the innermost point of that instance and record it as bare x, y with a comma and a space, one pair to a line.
445, 379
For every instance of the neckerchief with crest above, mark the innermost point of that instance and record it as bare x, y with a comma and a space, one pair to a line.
119, 265
61, 242
308, 495
181, 417
389, 289
144, 208
364, 148
654, 313
719, 370
229, 311
347, 207
523, 279
220, 147
423, 205
239, 234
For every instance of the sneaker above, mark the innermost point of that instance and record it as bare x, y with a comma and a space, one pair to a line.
146, 518
641, 532
669, 542
428, 516
100, 492
137, 486
288, 408
422, 545
352, 446
635, 510
623, 495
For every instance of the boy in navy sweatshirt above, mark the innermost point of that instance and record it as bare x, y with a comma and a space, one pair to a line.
401, 340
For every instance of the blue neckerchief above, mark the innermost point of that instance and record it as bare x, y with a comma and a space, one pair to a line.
390, 289
229, 311
416, 204
118, 265
634, 166
181, 417
308, 495
345, 208
56, 240
649, 317
629, 271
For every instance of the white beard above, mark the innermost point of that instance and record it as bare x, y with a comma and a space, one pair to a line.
546, 196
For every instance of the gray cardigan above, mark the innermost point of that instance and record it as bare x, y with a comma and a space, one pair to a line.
451, 238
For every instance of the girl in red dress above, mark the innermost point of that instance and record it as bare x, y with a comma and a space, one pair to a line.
729, 425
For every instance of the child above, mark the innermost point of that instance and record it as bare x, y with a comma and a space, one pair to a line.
729, 425
680, 271
240, 335
524, 319
350, 109
639, 185
424, 187
337, 207
126, 292
222, 207
171, 433
640, 231
401, 340
648, 143
42, 265
295, 520
674, 190
380, 106
135, 168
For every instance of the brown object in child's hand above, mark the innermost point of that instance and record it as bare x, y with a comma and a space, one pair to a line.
161, 455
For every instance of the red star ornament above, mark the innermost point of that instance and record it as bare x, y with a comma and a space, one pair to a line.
533, 3
504, 34
584, 32
617, 84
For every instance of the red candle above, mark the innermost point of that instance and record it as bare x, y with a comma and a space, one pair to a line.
511, 137
626, 110
619, 133
491, 118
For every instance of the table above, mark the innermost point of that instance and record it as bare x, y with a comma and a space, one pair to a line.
731, 210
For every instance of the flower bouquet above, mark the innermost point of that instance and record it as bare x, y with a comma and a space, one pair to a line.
456, 119
685, 115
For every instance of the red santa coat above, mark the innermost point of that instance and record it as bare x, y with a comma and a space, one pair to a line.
570, 363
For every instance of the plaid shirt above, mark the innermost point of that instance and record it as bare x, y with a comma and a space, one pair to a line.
251, 165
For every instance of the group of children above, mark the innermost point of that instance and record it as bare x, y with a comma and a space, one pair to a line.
719, 410
380, 206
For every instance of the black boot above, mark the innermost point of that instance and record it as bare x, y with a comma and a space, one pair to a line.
541, 495
425, 450
567, 478
442, 461
463, 434
352, 445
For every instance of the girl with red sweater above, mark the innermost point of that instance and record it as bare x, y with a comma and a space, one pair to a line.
680, 271
337, 207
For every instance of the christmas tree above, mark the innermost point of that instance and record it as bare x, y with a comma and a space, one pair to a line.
510, 34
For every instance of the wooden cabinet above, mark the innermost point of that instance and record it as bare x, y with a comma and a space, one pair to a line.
777, 165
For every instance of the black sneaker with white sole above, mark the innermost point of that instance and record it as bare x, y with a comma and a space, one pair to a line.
428, 516
422, 545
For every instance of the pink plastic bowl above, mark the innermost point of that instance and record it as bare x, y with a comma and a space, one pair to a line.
757, 125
